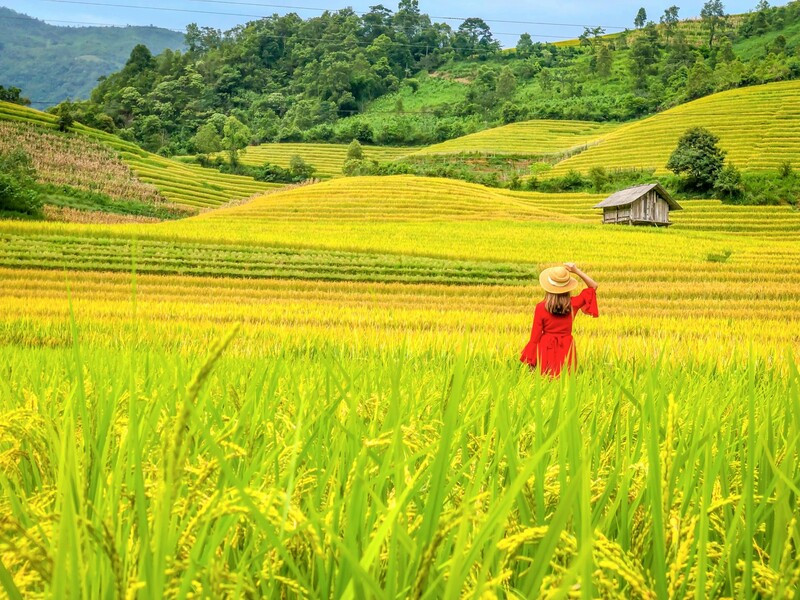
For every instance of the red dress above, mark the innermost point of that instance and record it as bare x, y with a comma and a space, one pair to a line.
551, 344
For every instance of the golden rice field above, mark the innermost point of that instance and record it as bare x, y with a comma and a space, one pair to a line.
189, 186
758, 126
317, 394
327, 159
532, 138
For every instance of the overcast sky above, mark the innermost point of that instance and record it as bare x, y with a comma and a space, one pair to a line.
559, 20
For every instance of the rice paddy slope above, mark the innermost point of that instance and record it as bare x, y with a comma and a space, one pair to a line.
327, 159
528, 138
189, 186
759, 127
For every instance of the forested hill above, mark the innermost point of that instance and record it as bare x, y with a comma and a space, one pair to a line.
398, 78
51, 63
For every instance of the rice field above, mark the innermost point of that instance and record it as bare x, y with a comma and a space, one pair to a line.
527, 138
317, 394
327, 159
75, 161
189, 186
758, 126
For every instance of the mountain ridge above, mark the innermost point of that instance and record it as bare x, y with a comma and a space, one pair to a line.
52, 63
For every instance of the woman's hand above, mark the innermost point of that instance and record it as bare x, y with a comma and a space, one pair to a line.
572, 268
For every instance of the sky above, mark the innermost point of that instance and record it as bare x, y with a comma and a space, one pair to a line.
545, 21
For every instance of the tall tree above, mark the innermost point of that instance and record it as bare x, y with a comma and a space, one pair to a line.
644, 55
641, 18
236, 136
670, 20
506, 83
377, 22
525, 46
604, 61
408, 19
714, 19
474, 38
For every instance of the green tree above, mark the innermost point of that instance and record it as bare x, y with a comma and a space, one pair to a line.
65, 113
236, 135
546, 79
300, 169
778, 45
207, 139
700, 81
725, 50
141, 59
698, 158
18, 191
604, 61
355, 151
641, 18
714, 19
524, 46
474, 38
14, 95
644, 55
670, 20
506, 83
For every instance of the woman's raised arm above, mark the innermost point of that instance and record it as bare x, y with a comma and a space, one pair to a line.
572, 268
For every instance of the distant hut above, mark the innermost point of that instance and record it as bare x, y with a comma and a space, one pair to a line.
640, 205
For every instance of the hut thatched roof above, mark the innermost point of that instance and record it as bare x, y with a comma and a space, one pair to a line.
631, 195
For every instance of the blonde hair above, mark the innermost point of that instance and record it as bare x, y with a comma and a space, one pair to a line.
558, 304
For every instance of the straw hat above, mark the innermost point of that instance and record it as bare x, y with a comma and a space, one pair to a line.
557, 280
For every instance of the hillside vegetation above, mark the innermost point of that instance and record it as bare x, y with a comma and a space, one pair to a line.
396, 78
54, 63
188, 186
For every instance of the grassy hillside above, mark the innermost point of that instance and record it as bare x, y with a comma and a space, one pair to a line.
51, 63
327, 159
189, 186
758, 126
533, 138
327, 376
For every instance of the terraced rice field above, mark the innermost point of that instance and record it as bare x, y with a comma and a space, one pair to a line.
368, 432
528, 138
327, 159
189, 186
758, 126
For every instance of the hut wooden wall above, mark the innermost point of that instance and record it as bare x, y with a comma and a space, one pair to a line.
650, 208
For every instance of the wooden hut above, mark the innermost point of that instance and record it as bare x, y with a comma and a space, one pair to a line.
640, 205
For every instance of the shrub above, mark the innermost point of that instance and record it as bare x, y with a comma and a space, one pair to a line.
354, 167
300, 169
729, 183
18, 191
65, 115
355, 151
785, 169
599, 177
719, 257
273, 174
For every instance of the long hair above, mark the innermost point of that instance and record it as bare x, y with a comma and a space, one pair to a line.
558, 304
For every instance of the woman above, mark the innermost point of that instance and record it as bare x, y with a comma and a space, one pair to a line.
551, 344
